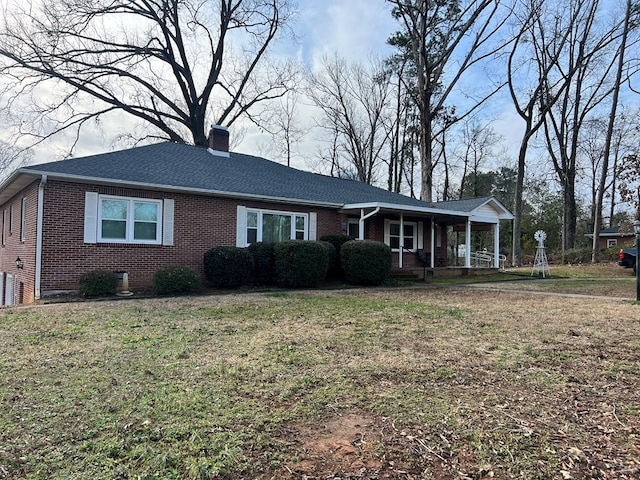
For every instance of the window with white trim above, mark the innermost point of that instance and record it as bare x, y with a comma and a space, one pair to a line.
23, 219
4, 227
276, 226
410, 235
129, 220
612, 242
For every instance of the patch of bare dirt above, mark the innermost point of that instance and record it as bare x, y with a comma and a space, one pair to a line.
349, 446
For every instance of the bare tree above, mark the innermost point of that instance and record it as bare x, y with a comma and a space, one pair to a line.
539, 42
586, 70
442, 40
620, 67
173, 65
354, 101
479, 144
12, 157
285, 125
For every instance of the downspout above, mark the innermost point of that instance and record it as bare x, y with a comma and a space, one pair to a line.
39, 222
401, 241
364, 217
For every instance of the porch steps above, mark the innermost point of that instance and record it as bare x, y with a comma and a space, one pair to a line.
405, 276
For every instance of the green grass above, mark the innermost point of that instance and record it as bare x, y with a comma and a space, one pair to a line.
451, 382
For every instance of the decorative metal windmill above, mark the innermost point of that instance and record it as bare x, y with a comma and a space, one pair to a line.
540, 264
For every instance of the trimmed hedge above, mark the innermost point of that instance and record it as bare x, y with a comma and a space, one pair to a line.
337, 240
334, 263
366, 262
175, 279
98, 282
228, 267
301, 263
264, 263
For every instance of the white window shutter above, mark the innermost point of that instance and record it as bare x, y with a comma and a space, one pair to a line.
387, 224
313, 226
420, 236
167, 222
241, 227
90, 217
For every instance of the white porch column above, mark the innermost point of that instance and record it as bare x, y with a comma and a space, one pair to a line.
496, 245
401, 249
433, 243
361, 225
467, 240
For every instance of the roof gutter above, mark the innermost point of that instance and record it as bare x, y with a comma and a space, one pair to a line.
39, 222
172, 188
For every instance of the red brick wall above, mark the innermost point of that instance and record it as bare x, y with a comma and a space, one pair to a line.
200, 223
14, 247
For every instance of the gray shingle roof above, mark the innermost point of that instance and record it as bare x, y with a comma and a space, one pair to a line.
179, 166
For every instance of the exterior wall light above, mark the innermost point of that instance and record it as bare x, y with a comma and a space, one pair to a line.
19, 263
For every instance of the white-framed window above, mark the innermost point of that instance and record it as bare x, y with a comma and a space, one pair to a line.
411, 238
276, 226
612, 242
23, 219
4, 227
129, 220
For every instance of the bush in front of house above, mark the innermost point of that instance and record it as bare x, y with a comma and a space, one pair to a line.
175, 279
228, 267
98, 282
577, 255
264, 264
300, 263
366, 262
337, 240
334, 263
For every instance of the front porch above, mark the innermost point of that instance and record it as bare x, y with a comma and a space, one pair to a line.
448, 238
482, 263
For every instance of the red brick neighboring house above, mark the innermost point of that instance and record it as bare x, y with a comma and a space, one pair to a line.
614, 236
139, 209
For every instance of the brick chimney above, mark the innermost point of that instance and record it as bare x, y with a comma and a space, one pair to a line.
219, 139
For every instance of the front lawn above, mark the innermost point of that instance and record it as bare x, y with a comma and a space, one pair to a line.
400, 383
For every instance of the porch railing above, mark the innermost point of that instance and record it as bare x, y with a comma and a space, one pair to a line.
486, 260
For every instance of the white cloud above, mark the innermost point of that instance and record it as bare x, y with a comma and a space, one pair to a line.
355, 29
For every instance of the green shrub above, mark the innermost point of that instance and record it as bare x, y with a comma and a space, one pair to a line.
228, 267
264, 264
337, 240
175, 279
300, 263
611, 254
577, 255
333, 268
366, 262
98, 282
